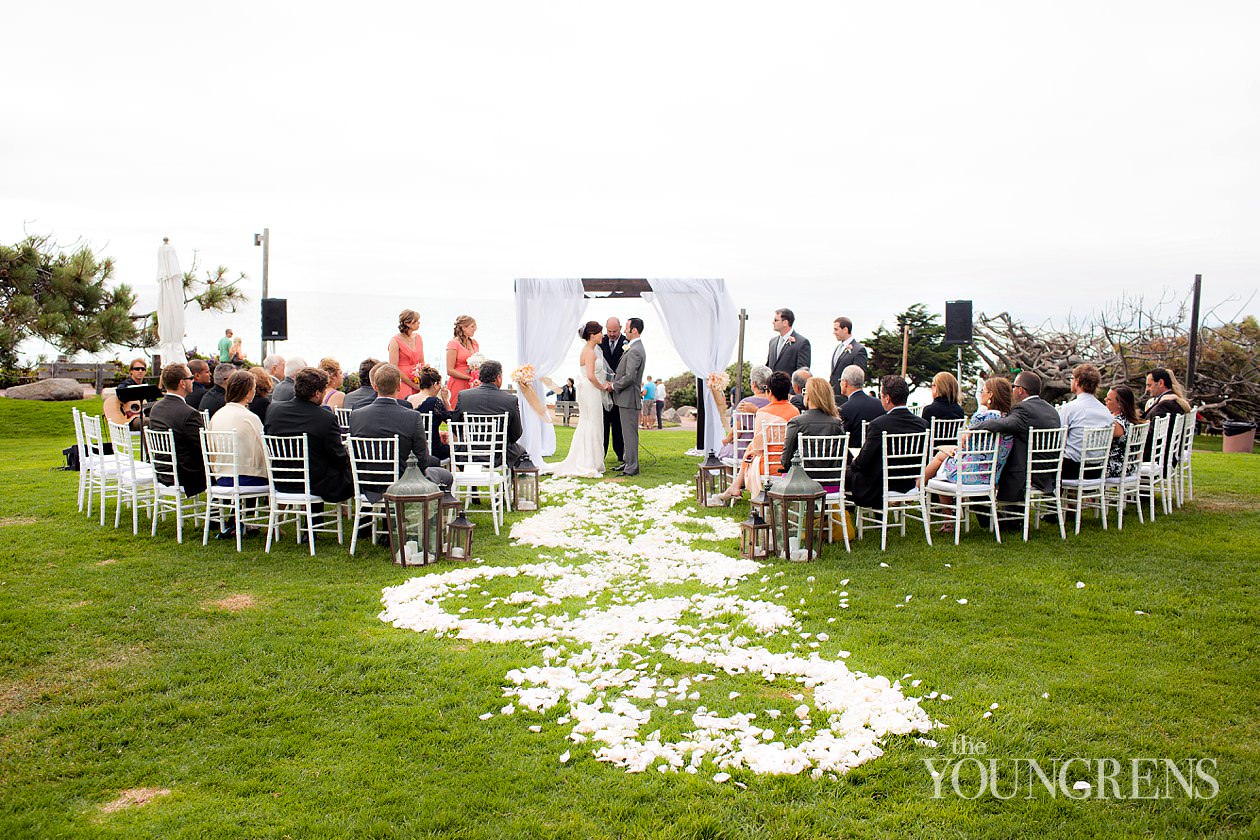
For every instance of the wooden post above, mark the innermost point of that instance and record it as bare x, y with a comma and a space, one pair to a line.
1194, 336
905, 348
739, 363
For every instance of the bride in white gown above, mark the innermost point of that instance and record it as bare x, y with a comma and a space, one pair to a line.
586, 452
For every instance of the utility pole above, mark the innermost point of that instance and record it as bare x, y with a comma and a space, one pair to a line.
263, 239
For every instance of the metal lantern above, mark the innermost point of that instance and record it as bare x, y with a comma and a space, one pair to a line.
459, 538
525, 486
754, 537
413, 513
710, 479
450, 509
797, 514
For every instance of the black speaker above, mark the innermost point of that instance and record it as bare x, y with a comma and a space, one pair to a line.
275, 317
957, 322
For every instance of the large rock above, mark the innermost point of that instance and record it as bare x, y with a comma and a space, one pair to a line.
47, 389
669, 415
687, 412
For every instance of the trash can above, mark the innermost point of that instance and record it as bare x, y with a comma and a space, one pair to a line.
1240, 436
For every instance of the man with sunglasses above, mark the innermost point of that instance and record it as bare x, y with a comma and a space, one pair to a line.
135, 373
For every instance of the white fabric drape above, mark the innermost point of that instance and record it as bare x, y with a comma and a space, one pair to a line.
700, 318
170, 310
548, 314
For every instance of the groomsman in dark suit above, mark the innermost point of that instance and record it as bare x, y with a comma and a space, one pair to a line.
847, 352
789, 350
174, 413
865, 479
613, 345
305, 415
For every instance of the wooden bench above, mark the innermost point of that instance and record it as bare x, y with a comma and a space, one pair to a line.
567, 409
96, 374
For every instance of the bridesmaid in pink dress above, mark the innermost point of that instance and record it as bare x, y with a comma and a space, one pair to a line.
458, 349
406, 351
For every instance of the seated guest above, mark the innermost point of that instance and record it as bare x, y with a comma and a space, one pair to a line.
334, 398
944, 404
283, 392
995, 401
488, 398
778, 410
364, 394
759, 383
262, 393
1029, 411
1083, 412
391, 417
174, 413
274, 365
431, 398
1165, 400
819, 418
201, 381
304, 415
1123, 407
865, 479
858, 405
799, 377
237, 354
135, 373
236, 416
214, 399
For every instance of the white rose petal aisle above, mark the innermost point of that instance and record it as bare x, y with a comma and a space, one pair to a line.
636, 657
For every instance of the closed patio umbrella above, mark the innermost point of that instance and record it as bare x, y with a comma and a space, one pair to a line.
170, 310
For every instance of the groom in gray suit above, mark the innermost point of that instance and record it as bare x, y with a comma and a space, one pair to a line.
627, 393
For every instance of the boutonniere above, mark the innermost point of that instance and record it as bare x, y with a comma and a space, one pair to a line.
791, 339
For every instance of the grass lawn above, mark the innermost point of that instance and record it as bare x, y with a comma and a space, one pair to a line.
265, 696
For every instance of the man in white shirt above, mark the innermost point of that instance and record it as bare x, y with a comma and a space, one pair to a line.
1083, 412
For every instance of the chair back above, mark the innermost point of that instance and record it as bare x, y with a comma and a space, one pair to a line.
944, 431
1045, 459
373, 464
288, 467
426, 422
742, 425
479, 439
124, 449
205, 418
78, 438
1189, 427
977, 458
1159, 442
1172, 449
1095, 447
161, 446
93, 440
774, 435
824, 457
219, 457
343, 419
1134, 443
905, 457
862, 441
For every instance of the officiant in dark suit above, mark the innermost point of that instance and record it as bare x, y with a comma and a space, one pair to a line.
613, 345
847, 352
789, 350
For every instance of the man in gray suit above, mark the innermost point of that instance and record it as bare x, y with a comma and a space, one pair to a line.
847, 352
627, 389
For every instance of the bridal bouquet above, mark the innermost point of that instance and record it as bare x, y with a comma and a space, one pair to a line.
523, 375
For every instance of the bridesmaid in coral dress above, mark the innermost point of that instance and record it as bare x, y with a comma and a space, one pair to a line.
458, 349
406, 351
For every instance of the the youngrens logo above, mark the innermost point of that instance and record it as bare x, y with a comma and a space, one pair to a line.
971, 774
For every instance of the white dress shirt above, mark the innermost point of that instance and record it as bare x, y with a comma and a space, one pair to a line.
1084, 412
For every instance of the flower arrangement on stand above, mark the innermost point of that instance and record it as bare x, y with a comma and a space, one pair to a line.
524, 377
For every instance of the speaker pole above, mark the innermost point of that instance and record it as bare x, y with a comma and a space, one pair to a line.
263, 239
959, 374
1194, 335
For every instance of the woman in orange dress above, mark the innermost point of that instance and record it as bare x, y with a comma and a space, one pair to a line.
458, 349
406, 351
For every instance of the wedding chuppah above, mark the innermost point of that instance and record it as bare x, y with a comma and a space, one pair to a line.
698, 315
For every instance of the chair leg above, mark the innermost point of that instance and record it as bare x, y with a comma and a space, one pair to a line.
271, 525
237, 526
310, 527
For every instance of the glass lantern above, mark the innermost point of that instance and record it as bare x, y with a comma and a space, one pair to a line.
525, 486
710, 479
459, 538
797, 514
754, 537
450, 509
413, 513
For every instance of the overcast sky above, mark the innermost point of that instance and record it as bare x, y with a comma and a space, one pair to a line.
833, 157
